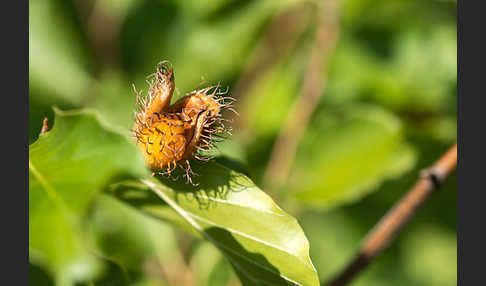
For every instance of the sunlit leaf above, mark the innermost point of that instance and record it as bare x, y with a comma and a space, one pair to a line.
264, 244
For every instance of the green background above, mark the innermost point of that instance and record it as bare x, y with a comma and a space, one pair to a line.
388, 111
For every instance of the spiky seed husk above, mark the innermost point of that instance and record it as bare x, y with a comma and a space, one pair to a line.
168, 136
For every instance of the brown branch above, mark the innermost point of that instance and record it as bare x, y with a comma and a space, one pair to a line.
283, 152
397, 217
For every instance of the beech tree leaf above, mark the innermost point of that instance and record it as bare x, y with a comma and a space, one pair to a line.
264, 244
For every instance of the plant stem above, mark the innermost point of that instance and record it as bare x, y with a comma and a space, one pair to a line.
397, 217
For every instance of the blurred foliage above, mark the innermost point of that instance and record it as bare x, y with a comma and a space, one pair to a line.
348, 154
388, 111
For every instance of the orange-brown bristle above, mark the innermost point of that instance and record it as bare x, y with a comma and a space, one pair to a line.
169, 136
192, 105
159, 94
202, 110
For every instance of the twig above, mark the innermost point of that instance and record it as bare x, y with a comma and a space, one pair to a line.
397, 217
283, 152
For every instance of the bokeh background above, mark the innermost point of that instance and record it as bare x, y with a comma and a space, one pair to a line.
388, 110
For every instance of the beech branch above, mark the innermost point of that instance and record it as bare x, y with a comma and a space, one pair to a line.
397, 217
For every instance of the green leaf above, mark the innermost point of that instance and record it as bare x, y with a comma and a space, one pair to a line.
265, 245
67, 167
348, 155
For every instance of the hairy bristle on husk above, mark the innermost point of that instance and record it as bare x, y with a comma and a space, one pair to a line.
171, 135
